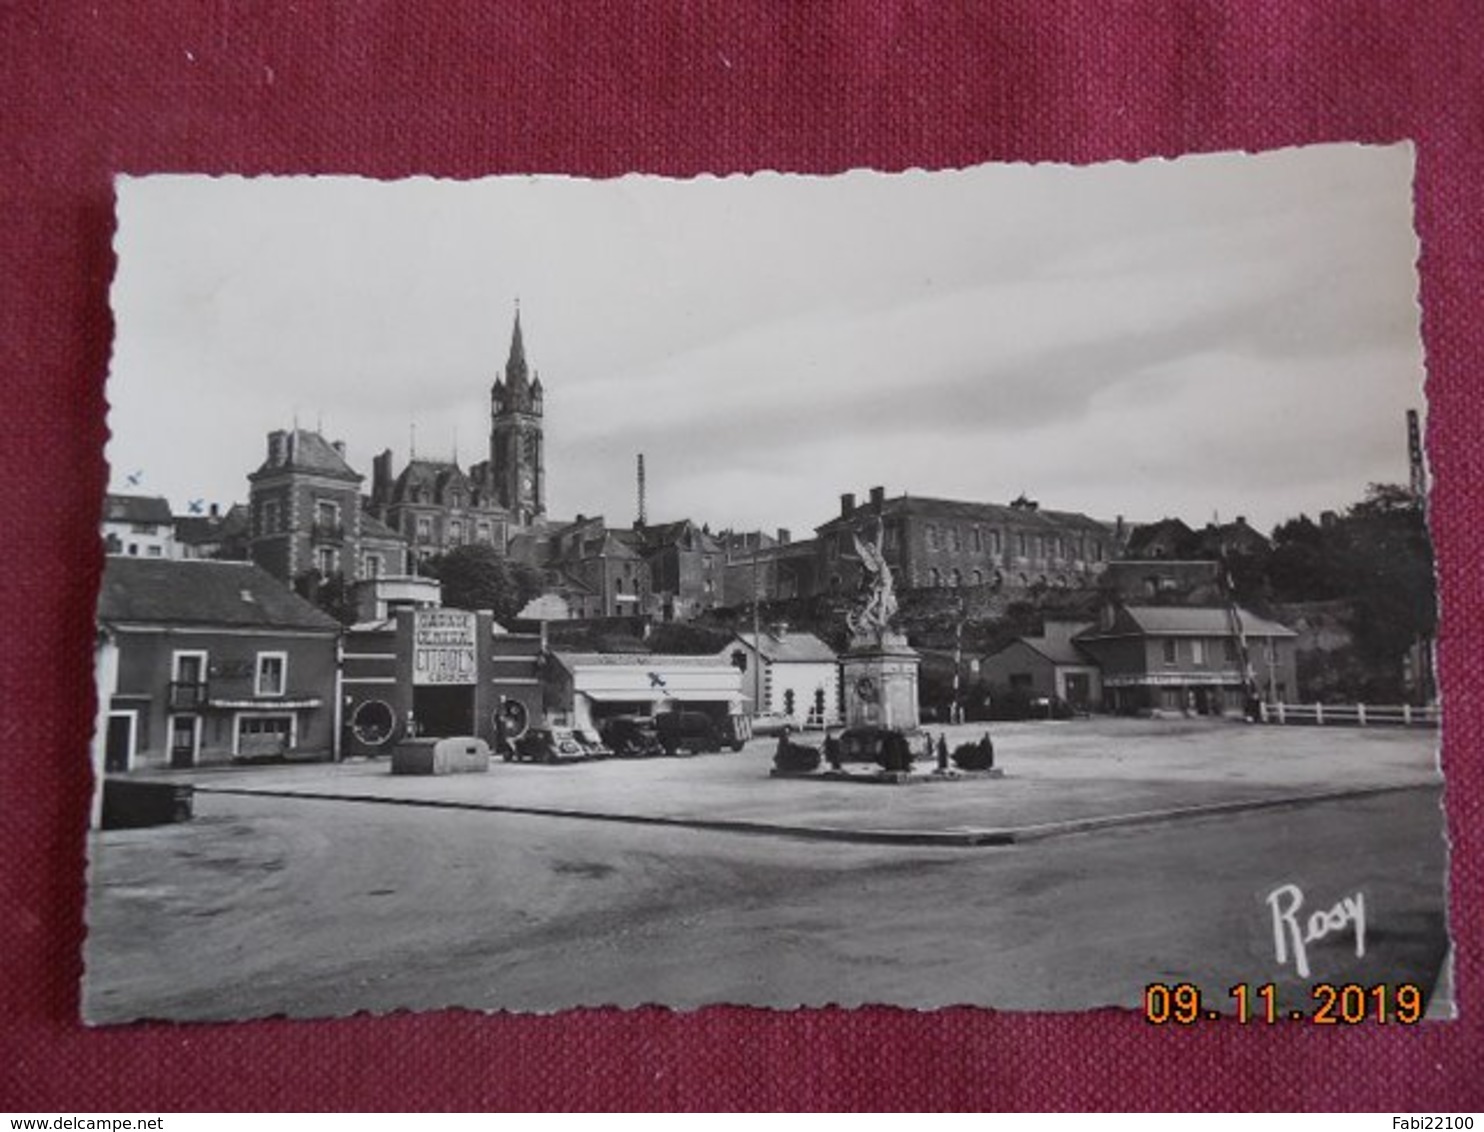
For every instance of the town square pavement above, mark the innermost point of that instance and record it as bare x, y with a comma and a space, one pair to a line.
1057, 777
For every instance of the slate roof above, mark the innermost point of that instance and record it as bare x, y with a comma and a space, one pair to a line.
797, 648
372, 527
1145, 534
196, 530
203, 592
434, 476
639, 659
308, 451
963, 511
193, 530
1188, 621
526, 547
658, 535
136, 509
1058, 650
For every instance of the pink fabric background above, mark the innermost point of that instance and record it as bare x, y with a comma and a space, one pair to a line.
460, 90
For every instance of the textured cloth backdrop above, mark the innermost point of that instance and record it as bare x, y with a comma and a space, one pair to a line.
461, 90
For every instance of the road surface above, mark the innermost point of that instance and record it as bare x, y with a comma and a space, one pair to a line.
267, 905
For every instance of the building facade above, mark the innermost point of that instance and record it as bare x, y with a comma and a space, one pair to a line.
763, 567
1051, 665
304, 508
209, 662
434, 507
139, 526
1189, 659
435, 672
598, 570
584, 689
791, 675
686, 567
939, 543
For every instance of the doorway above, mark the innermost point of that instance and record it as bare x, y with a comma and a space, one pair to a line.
444, 709
1078, 688
118, 750
185, 740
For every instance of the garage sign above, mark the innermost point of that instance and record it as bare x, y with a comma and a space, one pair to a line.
443, 647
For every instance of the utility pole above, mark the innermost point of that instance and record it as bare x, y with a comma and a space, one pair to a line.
955, 710
757, 640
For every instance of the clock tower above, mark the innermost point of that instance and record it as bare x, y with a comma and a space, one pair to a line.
517, 467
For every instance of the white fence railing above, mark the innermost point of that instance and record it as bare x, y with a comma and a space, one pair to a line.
1351, 715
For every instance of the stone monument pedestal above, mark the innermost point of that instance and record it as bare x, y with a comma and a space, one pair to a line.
880, 680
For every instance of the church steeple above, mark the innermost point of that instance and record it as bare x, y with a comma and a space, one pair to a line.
515, 367
517, 466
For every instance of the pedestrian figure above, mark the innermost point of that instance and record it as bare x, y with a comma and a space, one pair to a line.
987, 746
942, 751
832, 751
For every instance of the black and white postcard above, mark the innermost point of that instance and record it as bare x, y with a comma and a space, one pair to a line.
1005, 587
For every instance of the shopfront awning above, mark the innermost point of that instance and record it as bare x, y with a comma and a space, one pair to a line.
689, 696
265, 705
630, 696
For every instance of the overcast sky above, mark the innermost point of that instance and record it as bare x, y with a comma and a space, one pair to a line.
1223, 334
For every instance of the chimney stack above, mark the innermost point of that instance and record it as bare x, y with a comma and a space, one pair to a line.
878, 497
784, 537
277, 447
216, 511
381, 478
847, 504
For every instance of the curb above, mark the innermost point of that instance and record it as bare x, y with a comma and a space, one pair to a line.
959, 838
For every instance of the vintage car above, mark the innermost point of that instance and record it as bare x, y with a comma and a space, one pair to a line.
592, 743
631, 736
691, 731
547, 745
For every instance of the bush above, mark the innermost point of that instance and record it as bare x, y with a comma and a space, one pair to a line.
974, 756
796, 758
896, 752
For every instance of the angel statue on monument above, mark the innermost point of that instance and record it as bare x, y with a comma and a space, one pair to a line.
873, 617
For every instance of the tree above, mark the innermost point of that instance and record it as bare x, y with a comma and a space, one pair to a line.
1377, 558
1388, 576
683, 639
479, 577
332, 594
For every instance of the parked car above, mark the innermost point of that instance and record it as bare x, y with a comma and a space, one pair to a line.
547, 745
631, 736
691, 731
592, 743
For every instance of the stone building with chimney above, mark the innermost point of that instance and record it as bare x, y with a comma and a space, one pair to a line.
436, 505
304, 508
945, 543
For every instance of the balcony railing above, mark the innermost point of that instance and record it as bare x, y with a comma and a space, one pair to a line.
187, 696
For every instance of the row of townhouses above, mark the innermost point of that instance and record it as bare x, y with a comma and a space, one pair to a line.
204, 660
